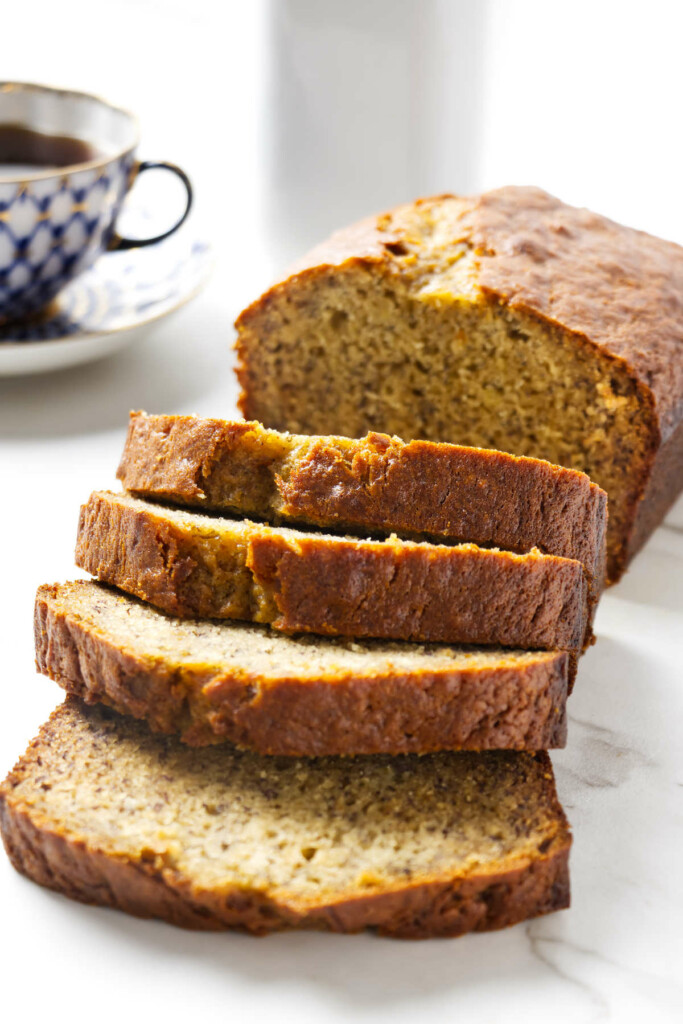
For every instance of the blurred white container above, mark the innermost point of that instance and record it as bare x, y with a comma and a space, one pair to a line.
370, 103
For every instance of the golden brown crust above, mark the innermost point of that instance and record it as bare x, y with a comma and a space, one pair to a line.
505, 706
416, 489
443, 906
362, 242
463, 597
334, 586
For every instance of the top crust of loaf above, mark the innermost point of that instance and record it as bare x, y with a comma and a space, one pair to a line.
616, 288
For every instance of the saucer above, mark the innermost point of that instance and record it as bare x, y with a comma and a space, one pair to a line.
111, 305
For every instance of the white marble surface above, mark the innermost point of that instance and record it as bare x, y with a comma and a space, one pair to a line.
617, 955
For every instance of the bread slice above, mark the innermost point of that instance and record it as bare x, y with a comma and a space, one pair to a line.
194, 565
420, 489
507, 320
211, 681
105, 812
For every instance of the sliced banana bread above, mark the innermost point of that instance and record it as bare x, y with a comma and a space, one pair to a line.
304, 696
195, 565
107, 813
507, 320
379, 483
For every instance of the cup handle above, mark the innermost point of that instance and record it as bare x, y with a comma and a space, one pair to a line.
117, 243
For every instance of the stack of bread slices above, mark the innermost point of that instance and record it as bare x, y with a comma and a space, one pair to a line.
331, 713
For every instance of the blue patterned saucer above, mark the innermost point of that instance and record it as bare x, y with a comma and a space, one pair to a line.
106, 307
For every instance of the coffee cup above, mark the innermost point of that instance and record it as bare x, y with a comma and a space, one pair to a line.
67, 161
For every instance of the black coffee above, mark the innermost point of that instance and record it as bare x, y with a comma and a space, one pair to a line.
24, 151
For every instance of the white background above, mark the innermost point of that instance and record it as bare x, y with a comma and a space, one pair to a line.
582, 98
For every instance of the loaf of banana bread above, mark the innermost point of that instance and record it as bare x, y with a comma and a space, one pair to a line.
507, 320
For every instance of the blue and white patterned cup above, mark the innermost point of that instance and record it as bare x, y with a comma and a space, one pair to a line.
55, 223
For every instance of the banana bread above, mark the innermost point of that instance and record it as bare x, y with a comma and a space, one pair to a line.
191, 564
211, 838
303, 696
420, 490
507, 320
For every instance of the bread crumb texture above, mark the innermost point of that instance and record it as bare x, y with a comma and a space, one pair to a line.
302, 834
